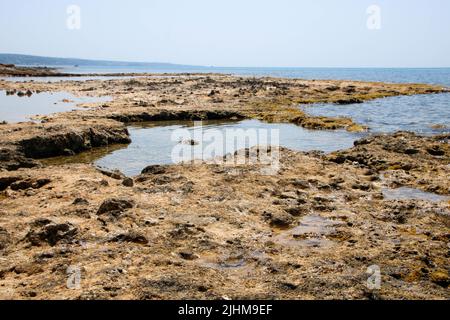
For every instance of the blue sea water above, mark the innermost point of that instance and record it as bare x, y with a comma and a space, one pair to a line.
439, 76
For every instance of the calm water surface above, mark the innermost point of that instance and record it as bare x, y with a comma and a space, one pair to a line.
20, 109
153, 143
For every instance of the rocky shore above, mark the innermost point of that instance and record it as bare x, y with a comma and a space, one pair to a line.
215, 231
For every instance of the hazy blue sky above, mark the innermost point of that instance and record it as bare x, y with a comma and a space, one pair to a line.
322, 33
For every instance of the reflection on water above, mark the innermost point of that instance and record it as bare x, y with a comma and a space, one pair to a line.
311, 232
405, 193
85, 157
423, 114
152, 143
19, 109
64, 79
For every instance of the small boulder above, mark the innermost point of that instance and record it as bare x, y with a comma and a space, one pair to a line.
441, 278
128, 182
155, 169
132, 236
188, 255
45, 231
80, 202
115, 207
279, 219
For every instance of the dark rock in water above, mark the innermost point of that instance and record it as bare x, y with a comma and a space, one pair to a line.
58, 144
349, 101
46, 231
190, 142
115, 207
156, 169
128, 182
133, 236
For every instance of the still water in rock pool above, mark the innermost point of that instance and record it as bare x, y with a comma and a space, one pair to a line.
14, 108
405, 193
423, 114
154, 143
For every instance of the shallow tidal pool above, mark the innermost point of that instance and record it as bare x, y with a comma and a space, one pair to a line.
161, 143
14, 108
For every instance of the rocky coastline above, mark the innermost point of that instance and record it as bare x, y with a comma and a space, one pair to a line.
213, 231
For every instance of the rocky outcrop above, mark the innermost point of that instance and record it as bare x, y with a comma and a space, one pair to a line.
69, 143
165, 115
44, 231
402, 157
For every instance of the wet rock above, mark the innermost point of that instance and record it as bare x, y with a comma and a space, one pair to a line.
47, 232
132, 236
115, 207
128, 182
190, 142
56, 142
155, 169
349, 101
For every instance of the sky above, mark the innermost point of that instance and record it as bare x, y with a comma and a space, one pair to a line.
233, 33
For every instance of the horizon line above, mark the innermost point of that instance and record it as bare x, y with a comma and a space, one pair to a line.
228, 67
